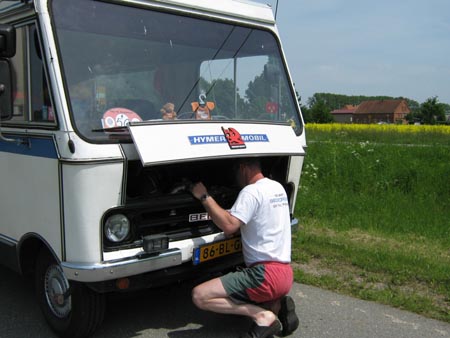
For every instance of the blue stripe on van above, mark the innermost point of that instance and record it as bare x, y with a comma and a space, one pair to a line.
38, 147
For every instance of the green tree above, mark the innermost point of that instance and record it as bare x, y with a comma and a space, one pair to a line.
221, 92
257, 93
320, 113
269, 86
306, 112
431, 111
337, 101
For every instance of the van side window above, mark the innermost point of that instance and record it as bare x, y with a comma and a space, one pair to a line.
19, 78
32, 102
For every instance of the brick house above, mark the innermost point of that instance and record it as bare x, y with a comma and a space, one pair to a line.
379, 111
345, 114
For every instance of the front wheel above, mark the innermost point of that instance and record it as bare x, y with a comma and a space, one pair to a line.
71, 309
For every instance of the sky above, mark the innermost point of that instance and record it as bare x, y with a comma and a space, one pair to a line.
366, 47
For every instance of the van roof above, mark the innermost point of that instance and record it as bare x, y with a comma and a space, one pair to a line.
236, 8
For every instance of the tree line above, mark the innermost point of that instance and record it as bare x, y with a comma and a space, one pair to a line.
319, 107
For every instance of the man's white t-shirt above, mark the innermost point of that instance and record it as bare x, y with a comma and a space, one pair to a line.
266, 234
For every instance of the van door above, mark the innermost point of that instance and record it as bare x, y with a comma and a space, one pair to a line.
29, 193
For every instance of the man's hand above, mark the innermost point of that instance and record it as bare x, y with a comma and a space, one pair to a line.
198, 190
221, 217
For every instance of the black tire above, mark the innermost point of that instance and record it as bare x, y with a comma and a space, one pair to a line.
71, 309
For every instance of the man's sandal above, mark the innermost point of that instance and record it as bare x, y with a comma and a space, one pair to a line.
257, 331
287, 316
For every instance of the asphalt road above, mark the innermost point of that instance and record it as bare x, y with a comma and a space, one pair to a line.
169, 312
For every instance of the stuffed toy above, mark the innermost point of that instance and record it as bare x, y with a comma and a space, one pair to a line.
168, 111
202, 109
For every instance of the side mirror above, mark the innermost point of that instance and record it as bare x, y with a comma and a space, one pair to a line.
7, 41
6, 99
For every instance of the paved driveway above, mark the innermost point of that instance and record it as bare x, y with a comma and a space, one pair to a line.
169, 313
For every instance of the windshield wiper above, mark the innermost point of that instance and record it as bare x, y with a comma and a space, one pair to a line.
234, 56
120, 129
213, 58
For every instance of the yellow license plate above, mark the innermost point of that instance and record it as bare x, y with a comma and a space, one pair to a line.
217, 249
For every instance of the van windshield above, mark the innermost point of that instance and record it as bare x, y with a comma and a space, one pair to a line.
126, 64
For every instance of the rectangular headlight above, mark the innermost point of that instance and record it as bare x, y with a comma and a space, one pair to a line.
155, 243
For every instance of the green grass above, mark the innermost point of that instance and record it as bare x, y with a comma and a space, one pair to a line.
375, 219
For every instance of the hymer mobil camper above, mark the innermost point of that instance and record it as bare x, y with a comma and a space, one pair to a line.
110, 109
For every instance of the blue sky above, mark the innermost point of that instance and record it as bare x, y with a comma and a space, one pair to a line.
362, 47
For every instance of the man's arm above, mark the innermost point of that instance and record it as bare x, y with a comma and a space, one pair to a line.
222, 218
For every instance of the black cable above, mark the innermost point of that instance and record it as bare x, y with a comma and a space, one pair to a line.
276, 10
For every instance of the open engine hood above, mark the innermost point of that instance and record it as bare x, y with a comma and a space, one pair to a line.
161, 143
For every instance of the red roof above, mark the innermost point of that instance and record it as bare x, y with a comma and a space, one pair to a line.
347, 109
382, 107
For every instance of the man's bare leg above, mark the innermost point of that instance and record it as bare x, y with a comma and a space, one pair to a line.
211, 296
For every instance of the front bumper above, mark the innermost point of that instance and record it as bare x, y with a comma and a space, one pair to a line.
184, 273
130, 266
125, 263
136, 262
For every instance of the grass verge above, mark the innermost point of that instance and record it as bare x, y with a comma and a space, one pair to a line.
375, 219
408, 273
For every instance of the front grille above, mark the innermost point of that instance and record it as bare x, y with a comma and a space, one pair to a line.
168, 215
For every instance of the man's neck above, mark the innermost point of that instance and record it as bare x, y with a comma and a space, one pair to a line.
255, 178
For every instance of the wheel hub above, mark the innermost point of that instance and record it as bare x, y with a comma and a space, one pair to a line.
57, 291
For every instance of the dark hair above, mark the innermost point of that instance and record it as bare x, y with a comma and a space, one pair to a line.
252, 162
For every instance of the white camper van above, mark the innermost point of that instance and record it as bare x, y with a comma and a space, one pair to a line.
109, 110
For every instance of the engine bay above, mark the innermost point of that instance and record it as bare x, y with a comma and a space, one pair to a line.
158, 199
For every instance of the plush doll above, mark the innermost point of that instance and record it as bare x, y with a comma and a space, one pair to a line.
202, 109
168, 111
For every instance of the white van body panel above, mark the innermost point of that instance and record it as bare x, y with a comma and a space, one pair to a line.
85, 151
87, 185
31, 187
295, 171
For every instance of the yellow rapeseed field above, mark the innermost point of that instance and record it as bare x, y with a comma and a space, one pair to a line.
390, 128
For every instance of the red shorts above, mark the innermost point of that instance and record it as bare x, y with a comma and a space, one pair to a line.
259, 283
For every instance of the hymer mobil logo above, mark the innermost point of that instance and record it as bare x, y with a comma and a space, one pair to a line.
234, 139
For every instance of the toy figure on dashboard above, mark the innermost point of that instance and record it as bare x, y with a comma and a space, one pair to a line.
202, 108
168, 111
